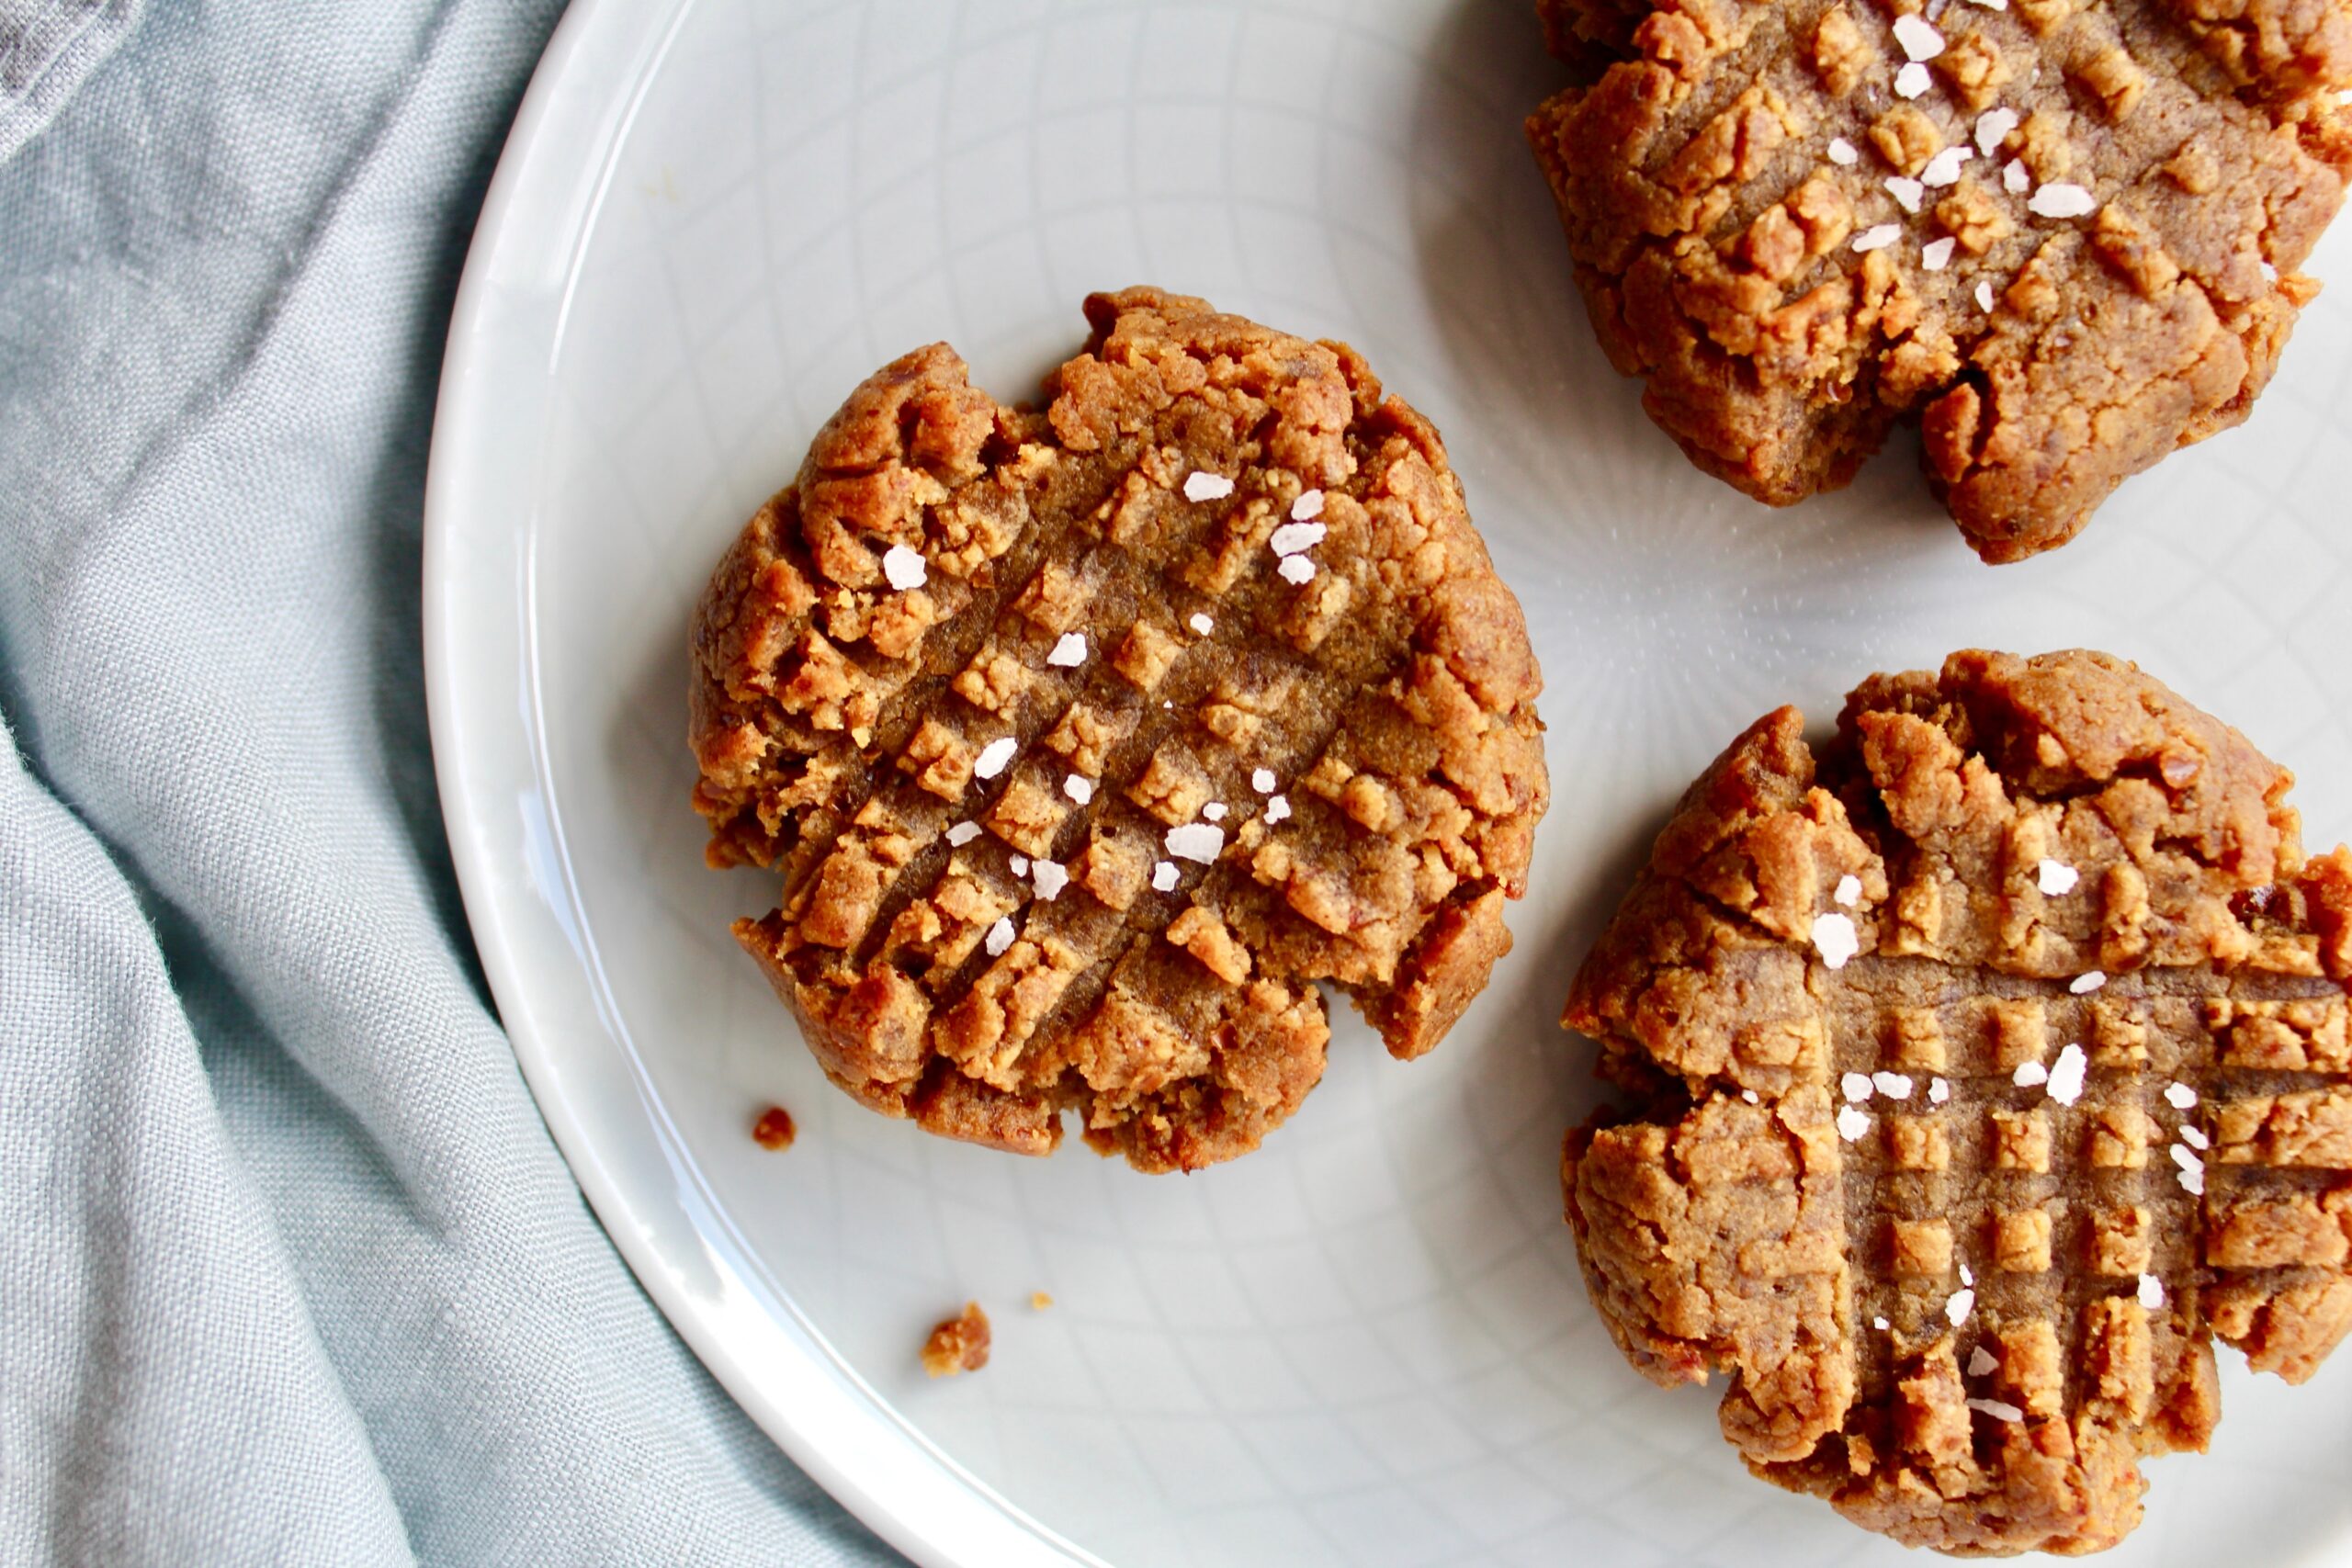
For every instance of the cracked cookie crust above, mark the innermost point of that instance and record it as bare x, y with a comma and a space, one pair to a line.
1088, 738
1989, 1067
2065, 238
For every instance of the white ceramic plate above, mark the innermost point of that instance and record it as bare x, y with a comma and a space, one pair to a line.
1366, 1344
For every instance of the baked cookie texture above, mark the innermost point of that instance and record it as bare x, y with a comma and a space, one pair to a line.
1088, 738
2061, 235
1988, 1067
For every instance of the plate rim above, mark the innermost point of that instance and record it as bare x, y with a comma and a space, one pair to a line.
906, 1490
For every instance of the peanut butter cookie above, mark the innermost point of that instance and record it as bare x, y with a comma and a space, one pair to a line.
1087, 738
2065, 237
1988, 1069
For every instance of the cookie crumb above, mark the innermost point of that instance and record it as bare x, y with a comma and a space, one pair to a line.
1957, 1309
1980, 1361
1262, 780
1878, 237
999, 937
1998, 1409
2061, 199
1201, 625
1911, 81
2066, 1077
1919, 40
1163, 875
2084, 984
1202, 485
1895, 1086
1080, 790
1936, 255
2180, 1096
958, 1345
1849, 890
2152, 1291
2056, 878
1039, 1300
1070, 653
1049, 878
1833, 936
962, 833
1277, 809
1852, 1123
1309, 504
904, 568
994, 756
1841, 152
1196, 842
1857, 1086
1296, 569
774, 1129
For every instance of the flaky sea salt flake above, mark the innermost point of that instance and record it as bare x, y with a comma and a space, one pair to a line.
1296, 569
1985, 296
1881, 1325
1262, 780
1878, 237
999, 937
1857, 1086
2059, 199
1911, 81
2014, 179
1936, 255
1080, 790
1998, 1409
1201, 842
1834, 938
1070, 653
2029, 1074
1905, 192
1939, 1090
1213, 811
962, 833
903, 567
1202, 485
2056, 878
1308, 504
2085, 984
1201, 624
1919, 40
1163, 875
1895, 1086
1848, 892
2179, 1095
1277, 809
1852, 1123
994, 756
1956, 1310
2066, 1075
1020, 865
2152, 1291
1943, 169
1292, 537
1980, 1361
1842, 153
2194, 1137
1049, 878
1993, 128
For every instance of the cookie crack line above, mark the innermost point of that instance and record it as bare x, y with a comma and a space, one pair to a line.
1086, 737
1963, 1230
2064, 240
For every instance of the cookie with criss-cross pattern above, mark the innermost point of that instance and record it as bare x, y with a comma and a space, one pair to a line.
1987, 1067
2063, 236
1089, 737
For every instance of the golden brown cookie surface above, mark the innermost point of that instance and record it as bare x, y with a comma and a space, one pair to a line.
1995, 1063
1088, 739
2063, 237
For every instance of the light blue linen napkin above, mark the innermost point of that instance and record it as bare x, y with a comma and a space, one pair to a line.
289, 1270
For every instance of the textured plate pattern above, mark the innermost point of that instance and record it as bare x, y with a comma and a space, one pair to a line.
1367, 1343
